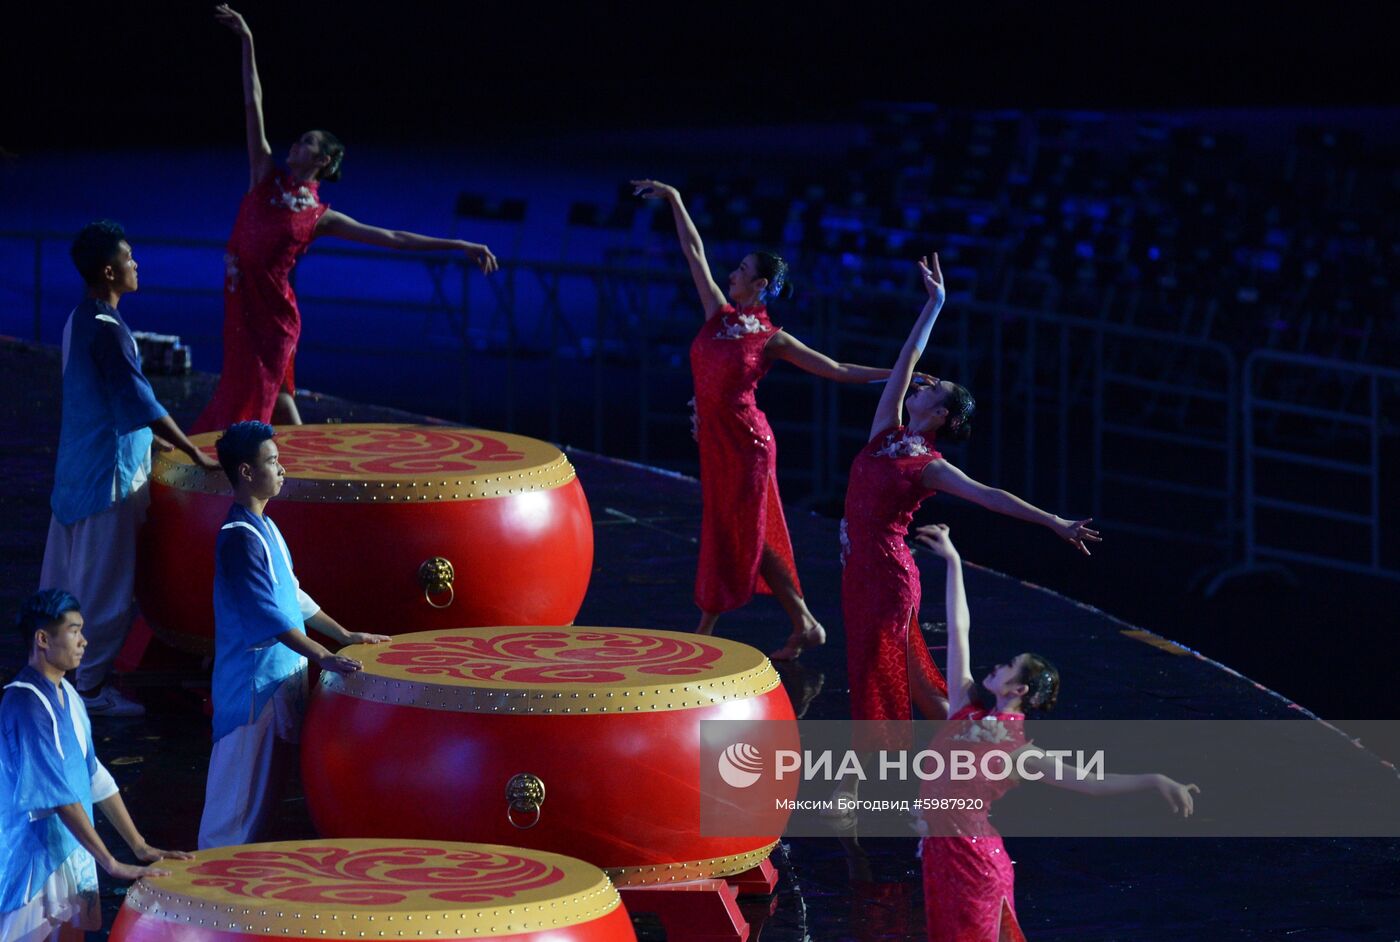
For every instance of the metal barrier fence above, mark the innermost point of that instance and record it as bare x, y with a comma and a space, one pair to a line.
1324, 426
1139, 427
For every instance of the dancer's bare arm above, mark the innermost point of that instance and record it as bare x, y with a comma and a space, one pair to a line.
259, 151
342, 226
936, 537
939, 474
1066, 774
711, 298
890, 411
788, 348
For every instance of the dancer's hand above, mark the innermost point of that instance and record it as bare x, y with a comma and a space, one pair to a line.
148, 854
1077, 532
652, 189
933, 280
227, 16
1177, 795
937, 537
361, 637
482, 256
923, 379
125, 871
160, 445
338, 663
205, 462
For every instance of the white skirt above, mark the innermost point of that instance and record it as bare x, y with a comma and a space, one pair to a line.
68, 897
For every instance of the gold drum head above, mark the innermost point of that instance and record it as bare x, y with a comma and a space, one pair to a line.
556, 670
352, 889
389, 463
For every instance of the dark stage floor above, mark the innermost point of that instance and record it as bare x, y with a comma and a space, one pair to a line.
646, 522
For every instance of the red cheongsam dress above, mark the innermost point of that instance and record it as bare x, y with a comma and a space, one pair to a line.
968, 879
880, 583
276, 222
741, 510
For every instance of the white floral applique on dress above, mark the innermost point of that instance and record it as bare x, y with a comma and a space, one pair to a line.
988, 729
904, 446
742, 326
296, 200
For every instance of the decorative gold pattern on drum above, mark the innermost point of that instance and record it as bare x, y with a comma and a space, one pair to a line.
655, 874
351, 889
564, 669
389, 463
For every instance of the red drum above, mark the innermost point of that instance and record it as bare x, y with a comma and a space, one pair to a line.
583, 741
391, 889
391, 527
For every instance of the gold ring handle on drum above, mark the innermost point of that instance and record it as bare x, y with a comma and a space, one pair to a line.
435, 576
524, 795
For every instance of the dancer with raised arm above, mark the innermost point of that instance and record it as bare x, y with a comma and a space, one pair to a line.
888, 663
744, 542
968, 880
281, 214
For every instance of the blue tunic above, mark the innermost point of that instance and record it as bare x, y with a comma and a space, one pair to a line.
47, 760
104, 445
256, 598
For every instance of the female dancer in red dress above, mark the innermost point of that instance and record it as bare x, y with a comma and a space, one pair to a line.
279, 217
968, 882
898, 469
744, 543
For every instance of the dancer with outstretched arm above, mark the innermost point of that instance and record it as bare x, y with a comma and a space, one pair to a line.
888, 663
968, 879
280, 216
744, 542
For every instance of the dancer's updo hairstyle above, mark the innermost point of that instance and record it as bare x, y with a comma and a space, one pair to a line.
772, 266
957, 427
1042, 681
332, 148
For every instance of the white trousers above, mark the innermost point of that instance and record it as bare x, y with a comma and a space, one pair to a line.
95, 560
67, 898
248, 769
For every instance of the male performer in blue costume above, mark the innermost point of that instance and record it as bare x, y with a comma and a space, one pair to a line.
49, 780
260, 649
100, 492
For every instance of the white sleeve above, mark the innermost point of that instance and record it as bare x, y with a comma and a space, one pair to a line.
103, 785
307, 603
